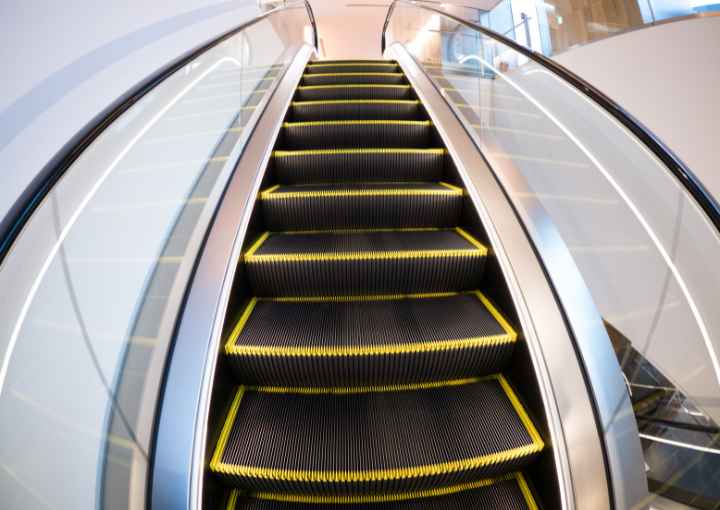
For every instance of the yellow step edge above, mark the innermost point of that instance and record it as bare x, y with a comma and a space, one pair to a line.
355, 101
354, 86
358, 390
389, 498
378, 150
353, 64
427, 470
232, 349
371, 122
325, 75
271, 193
361, 230
478, 250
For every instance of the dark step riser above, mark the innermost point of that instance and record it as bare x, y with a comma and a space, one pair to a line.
362, 212
355, 136
346, 92
370, 370
360, 68
358, 167
360, 277
339, 79
357, 111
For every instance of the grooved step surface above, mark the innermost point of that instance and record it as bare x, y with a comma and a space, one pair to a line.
357, 133
355, 110
364, 262
369, 340
352, 67
508, 493
347, 78
362, 205
392, 439
303, 167
353, 91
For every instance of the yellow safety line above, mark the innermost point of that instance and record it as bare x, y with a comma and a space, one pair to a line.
232, 349
315, 476
235, 334
520, 410
269, 190
354, 86
471, 239
381, 498
379, 150
496, 314
355, 101
532, 505
376, 350
353, 64
358, 256
341, 231
257, 244
232, 500
368, 297
270, 195
354, 122
227, 428
450, 186
478, 250
316, 75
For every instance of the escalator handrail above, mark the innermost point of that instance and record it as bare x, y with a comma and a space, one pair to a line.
680, 170
21, 211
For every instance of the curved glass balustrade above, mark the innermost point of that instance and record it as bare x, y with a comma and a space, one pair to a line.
95, 281
645, 249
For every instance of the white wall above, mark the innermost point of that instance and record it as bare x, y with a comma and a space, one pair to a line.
668, 76
64, 62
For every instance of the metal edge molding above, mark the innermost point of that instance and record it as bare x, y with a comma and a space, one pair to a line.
178, 460
12, 224
579, 434
680, 170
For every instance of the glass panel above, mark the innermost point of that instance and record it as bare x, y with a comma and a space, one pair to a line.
553, 26
94, 283
645, 249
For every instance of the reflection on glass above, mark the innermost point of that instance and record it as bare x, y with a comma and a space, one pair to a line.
644, 248
95, 281
552, 26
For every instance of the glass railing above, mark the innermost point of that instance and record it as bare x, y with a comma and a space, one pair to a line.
93, 284
643, 243
551, 27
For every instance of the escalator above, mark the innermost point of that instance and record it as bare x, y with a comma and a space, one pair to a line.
373, 349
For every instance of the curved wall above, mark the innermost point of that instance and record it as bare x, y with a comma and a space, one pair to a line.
65, 62
668, 76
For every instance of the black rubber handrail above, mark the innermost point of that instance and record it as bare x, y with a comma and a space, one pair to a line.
32, 196
686, 177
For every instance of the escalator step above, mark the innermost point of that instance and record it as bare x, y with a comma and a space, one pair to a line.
352, 91
377, 164
378, 261
393, 438
338, 78
353, 67
358, 109
361, 205
342, 134
509, 492
370, 340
